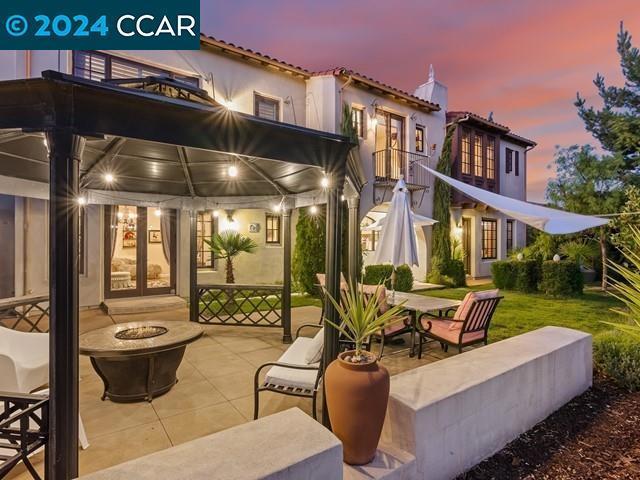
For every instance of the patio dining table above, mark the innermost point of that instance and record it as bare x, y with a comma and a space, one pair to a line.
417, 304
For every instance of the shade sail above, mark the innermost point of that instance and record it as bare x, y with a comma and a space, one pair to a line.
418, 221
398, 244
549, 220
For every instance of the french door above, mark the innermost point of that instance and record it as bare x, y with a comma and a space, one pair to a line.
140, 251
390, 139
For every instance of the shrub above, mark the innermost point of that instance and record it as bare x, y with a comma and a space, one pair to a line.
561, 279
309, 250
451, 275
527, 275
375, 274
504, 274
618, 356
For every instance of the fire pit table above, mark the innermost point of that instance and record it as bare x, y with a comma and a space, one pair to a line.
138, 360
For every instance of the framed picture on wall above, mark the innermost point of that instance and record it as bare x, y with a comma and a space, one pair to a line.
129, 238
155, 236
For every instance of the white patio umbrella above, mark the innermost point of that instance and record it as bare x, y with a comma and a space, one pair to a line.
418, 221
398, 244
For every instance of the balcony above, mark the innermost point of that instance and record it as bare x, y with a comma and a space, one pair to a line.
390, 164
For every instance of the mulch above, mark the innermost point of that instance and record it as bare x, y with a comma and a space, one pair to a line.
595, 436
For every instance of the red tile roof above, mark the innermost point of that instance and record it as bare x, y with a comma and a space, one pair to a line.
503, 129
382, 87
248, 54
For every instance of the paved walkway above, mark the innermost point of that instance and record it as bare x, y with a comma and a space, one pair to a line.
214, 392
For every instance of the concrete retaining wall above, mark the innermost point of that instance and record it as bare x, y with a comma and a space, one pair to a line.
289, 445
454, 413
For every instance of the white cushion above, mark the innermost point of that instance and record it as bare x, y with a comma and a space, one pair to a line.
288, 377
24, 360
314, 350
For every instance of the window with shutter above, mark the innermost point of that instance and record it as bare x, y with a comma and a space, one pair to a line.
265, 107
508, 160
517, 163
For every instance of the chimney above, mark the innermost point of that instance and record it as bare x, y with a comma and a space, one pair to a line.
433, 91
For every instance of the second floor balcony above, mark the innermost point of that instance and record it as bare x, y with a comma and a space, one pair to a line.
390, 164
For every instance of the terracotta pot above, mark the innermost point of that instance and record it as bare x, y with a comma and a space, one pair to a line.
357, 396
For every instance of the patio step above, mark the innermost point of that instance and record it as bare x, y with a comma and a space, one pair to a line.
390, 463
160, 303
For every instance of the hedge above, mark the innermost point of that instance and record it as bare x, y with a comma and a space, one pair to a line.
375, 274
618, 356
561, 279
452, 274
520, 275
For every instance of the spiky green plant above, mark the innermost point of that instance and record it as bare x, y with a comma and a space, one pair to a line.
360, 316
229, 244
583, 252
627, 289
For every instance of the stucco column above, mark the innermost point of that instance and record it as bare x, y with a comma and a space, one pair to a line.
286, 280
65, 154
332, 271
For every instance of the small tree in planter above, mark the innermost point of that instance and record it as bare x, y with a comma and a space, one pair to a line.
228, 245
356, 385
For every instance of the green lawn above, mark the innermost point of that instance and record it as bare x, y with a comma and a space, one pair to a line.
519, 312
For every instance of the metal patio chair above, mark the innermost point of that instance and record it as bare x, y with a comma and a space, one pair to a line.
468, 326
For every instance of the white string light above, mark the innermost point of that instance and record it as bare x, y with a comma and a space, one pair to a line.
232, 171
108, 177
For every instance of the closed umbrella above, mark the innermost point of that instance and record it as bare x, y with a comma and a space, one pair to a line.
418, 221
398, 244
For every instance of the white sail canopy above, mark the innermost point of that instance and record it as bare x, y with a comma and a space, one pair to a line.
546, 219
398, 244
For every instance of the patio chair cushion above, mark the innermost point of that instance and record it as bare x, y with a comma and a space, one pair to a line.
288, 377
449, 330
463, 310
382, 295
24, 360
396, 325
314, 350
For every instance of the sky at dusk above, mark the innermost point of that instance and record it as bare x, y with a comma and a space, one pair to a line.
524, 60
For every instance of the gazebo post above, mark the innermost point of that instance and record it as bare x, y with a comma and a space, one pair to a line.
193, 266
286, 281
354, 239
65, 155
332, 271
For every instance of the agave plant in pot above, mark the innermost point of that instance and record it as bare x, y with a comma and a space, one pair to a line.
356, 384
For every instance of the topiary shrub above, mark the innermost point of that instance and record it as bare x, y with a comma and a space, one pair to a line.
527, 275
455, 273
618, 356
404, 278
309, 250
504, 274
375, 274
561, 279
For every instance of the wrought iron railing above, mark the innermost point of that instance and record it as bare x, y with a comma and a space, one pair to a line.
233, 304
391, 163
25, 313
24, 427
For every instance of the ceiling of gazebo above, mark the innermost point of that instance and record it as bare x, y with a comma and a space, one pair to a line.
156, 145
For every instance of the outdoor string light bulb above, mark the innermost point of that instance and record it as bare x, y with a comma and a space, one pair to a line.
81, 200
324, 182
108, 177
313, 210
276, 207
232, 171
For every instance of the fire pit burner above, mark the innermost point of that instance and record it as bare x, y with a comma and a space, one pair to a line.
139, 333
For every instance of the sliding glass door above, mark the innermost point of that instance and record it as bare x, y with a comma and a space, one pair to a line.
140, 251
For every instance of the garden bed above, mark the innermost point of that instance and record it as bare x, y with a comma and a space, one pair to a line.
595, 436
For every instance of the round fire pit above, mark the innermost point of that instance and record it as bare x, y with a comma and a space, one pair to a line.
138, 360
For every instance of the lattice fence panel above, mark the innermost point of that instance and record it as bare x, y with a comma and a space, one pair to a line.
247, 305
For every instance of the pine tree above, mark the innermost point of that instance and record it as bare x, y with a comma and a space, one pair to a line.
617, 125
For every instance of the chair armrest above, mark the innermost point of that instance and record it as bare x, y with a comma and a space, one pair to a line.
256, 377
308, 325
423, 329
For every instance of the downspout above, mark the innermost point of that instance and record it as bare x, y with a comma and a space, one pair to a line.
340, 91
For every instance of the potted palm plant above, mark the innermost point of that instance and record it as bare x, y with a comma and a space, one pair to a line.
356, 384
228, 245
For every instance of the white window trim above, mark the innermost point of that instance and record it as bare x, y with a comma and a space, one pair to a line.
280, 101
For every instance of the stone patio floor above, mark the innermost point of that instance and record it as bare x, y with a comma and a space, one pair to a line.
214, 391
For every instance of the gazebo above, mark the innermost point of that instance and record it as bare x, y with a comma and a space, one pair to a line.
60, 130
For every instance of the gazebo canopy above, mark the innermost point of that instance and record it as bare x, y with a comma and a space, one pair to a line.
154, 144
